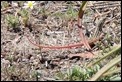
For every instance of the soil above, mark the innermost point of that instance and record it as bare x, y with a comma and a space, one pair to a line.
23, 61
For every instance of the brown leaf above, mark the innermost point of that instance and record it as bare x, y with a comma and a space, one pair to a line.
84, 55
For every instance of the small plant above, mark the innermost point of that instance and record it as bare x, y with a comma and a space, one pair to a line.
12, 20
95, 71
26, 12
77, 73
71, 13
25, 17
106, 69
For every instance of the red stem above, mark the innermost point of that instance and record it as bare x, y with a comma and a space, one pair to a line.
67, 46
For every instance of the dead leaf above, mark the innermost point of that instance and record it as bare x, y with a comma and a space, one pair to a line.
84, 55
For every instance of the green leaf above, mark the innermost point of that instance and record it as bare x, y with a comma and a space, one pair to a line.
106, 68
114, 49
12, 20
110, 72
115, 78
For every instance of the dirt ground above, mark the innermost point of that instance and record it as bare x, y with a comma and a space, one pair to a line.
21, 60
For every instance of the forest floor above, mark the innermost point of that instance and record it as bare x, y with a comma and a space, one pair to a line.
50, 25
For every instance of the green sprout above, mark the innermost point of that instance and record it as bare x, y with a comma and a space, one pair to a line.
12, 20
25, 16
